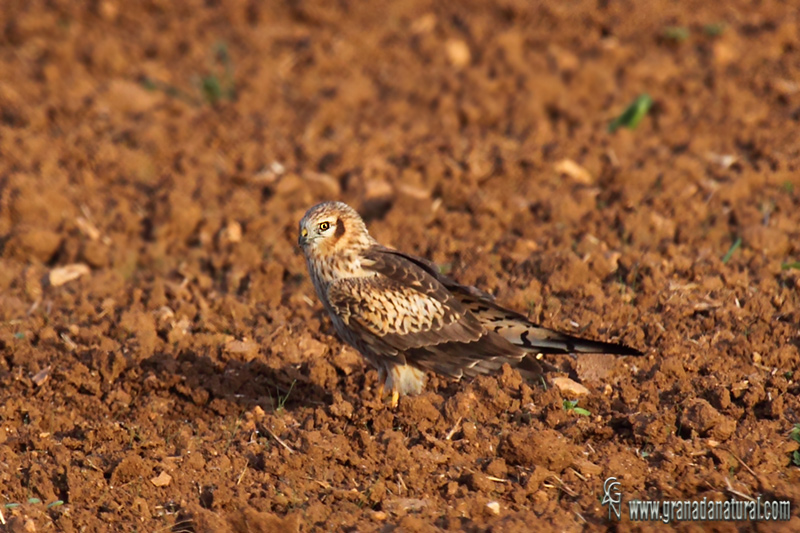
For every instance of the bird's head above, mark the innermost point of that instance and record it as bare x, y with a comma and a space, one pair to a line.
332, 227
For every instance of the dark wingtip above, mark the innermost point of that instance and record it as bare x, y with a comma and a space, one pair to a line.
583, 346
627, 350
617, 349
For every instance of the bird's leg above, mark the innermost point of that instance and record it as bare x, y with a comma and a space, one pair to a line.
384, 377
382, 381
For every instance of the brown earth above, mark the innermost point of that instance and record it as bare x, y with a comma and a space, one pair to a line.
184, 377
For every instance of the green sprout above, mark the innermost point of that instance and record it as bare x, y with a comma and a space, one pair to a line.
714, 29
677, 34
34, 501
572, 405
218, 88
214, 87
735, 246
794, 434
282, 399
633, 115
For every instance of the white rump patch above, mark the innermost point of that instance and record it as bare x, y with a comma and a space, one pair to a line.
405, 379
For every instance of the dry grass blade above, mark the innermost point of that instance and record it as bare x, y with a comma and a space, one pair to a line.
455, 429
241, 476
41, 376
706, 305
562, 486
730, 489
580, 476
743, 464
279, 441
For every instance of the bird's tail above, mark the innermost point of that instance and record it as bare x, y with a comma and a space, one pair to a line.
519, 331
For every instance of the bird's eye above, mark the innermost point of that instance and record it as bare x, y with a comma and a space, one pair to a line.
324, 226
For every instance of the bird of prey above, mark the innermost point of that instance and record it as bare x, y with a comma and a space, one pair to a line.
405, 317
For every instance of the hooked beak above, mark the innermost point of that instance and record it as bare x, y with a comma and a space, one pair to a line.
302, 240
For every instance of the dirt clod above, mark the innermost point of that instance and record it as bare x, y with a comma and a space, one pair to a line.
700, 418
539, 447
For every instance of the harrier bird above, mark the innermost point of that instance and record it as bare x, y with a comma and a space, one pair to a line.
405, 317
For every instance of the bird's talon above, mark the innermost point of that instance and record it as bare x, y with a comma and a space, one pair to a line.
395, 399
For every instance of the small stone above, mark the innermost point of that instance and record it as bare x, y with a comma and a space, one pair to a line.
377, 190
161, 480
398, 506
570, 387
726, 161
458, 52
493, 508
61, 275
424, 24
570, 168
248, 350
233, 232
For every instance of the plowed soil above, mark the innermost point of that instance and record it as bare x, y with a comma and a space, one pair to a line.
165, 364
